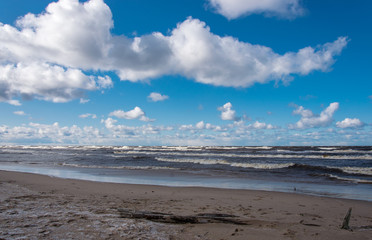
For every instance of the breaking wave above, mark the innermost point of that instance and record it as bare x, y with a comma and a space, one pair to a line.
224, 162
234, 155
119, 167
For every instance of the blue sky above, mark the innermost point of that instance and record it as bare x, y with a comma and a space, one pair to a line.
195, 72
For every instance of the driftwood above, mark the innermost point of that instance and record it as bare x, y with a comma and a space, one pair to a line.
345, 223
179, 219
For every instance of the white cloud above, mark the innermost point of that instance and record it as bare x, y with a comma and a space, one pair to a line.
200, 125
88, 115
310, 120
104, 82
235, 8
53, 133
156, 97
20, 113
42, 56
226, 61
46, 55
350, 123
109, 123
133, 132
201, 133
136, 113
227, 113
13, 102
44, 81
261, 125
83, 100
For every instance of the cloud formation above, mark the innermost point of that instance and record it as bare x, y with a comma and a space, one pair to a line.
261, 125
200, 126
46, 56
232, 9
88, 115
20, 113
350, 123
47, 82
135, 113
200, 133
50, 133
227, 113
156, 97
310, 120
226, 61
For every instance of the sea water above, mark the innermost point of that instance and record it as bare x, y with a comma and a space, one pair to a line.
343, 172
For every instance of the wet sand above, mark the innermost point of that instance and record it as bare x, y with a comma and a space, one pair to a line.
41, 207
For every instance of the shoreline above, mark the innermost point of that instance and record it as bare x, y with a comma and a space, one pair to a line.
141, 177
39, 206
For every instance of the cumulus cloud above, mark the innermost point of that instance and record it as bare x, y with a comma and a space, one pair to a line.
45, 55
135, 113
40, 58
50, 133
20, 113
83, 100
226, 61
13, 102
235, 8
350, 123
200, 126
261, 125
311, 120
88, 115
156, 97
201, 133
45, 81
131, 131
227, 113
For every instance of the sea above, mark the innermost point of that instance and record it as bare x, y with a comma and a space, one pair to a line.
332, 171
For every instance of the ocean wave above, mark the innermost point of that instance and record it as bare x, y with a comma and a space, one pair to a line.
118, 167
335, 151
224, 162
16, 151
329, 169
49, 147
315, 168
259, 148
355, 180
358, 170
327, 148
234, 155
194, 160
262, 165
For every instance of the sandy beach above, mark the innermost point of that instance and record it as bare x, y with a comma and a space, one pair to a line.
41, 207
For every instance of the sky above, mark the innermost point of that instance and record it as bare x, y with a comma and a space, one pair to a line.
187, 72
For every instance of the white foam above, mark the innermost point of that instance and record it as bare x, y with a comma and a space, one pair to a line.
262, 165
234, 155
262, 147
17, 151
224, 162
119, 167
358, 170
192, 160
327, 148
350, 179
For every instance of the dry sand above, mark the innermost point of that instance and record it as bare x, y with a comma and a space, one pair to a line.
42, 207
